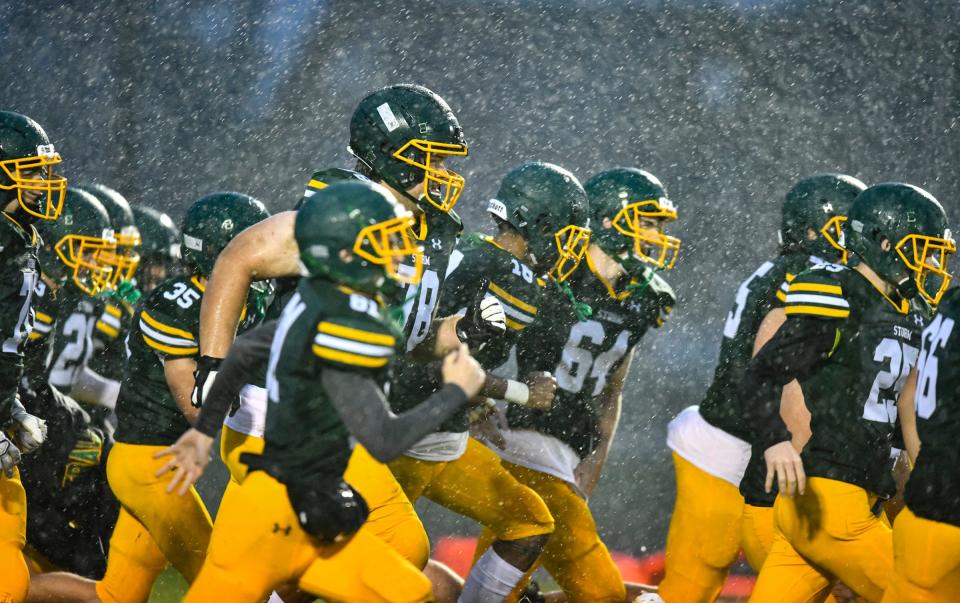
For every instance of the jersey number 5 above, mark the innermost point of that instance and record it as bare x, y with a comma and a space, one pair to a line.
934, 337
576, 362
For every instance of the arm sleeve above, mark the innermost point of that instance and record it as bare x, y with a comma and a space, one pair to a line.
249, 353
363, 409
796, 350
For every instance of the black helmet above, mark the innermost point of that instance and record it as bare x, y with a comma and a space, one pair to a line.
819, 203
127, 257
621, 200
25, 148
915, 225
398, 130
159, 247
75, 244
211, 223
547, 205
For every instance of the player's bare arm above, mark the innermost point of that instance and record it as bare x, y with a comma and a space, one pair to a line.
793, 409
179, 375
609, 404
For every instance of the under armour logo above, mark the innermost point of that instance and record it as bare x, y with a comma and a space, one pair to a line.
277, 528
436, 244
827, 207
918, 320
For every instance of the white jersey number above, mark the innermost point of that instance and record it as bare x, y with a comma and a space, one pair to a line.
896, 358
424, 296
934, 337
577, 363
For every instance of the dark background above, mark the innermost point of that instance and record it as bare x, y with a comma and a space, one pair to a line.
728, 103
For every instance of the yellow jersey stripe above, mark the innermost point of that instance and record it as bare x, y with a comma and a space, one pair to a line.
317, 184
356, 334
816, 288
817, 311
169, 349
196, 283
35, 335
790, 277
781, 296
153, 322
348, 358
43, 317
516, 326
113, 311
107, 329
520, 305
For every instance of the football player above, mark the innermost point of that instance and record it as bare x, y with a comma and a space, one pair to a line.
153, 409
709, 443
850, 339
329, 358
560, 452
159, 247
401, 136
926, 534
541, 213
70, 515
30, 190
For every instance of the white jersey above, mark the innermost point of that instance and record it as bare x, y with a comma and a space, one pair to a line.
251, 418
707, 447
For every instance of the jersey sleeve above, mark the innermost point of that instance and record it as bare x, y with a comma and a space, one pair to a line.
464, 276
109, 323
783, 289
167, 329
816, 294
348, 344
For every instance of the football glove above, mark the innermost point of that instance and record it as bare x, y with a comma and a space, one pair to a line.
484, 321
29, 431
204, 376
9, 455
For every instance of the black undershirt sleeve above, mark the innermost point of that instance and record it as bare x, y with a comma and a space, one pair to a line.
247, 356
797, 349
363, 409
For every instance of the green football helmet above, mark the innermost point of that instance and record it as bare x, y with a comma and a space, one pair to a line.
159, 247
127, 257
26, 167
211, 223
363, 219
548, 207
400, 133
915, 225
74, 246
628, 209
819, 203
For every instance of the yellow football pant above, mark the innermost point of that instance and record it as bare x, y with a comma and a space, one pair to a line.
704, 536
575, 556
756, 534
258, 545
926, 561
826, 534
392, 518
14, 576
477, 486
153, 527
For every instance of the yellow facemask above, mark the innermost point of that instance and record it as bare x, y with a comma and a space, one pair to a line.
390, 244
572, 242
82, 254
927, 256
125, 259
450, 183
52, 185
832, 231
649, 244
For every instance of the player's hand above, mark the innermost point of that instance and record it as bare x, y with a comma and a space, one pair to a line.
543, 388
484, 321
204, 376
29, 432
460, 368
9, 455
784, 463
191, 454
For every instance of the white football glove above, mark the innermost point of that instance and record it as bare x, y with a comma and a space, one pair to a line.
491, 312
9, 455
29, 432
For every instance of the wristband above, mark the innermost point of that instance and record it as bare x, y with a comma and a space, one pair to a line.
517, 393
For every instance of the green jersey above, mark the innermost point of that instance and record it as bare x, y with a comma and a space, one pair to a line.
19, 273
322, 326
166, 326
761, 292
477, 262
933, 491
851, 387
583, 354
